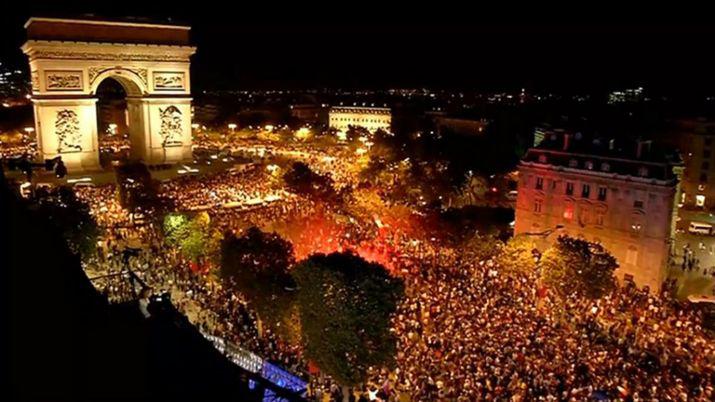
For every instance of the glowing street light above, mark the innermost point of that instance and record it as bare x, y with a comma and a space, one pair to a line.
29, 130
232, 126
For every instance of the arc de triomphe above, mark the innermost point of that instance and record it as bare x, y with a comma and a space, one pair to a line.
68, 61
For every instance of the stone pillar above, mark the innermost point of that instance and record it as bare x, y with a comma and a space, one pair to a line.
167, 126
68, 128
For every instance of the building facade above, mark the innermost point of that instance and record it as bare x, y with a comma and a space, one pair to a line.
695, 140
69, 59
623, 196
371, 118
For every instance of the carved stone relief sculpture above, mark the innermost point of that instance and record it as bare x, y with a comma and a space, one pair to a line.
169, 81
63, 80
68, 132
171, 129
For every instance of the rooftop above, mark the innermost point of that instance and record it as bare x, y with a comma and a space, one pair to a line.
105, 31
634, 158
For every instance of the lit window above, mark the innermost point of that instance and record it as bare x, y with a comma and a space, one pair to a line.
701, 187
700, 200
682, 198
568, 212
636, 227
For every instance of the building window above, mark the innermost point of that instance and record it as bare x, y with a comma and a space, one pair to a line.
539, 183
632, 255
569, 188
602, 193
706, 153
703, 178
600, 216
553, 184
638, 204
700, 200
636, 227
537, 206
589, 165
573, 163
568, 212
605, 167
705, 166
642, 171
542, 158
682, 198
708, 141
585, 191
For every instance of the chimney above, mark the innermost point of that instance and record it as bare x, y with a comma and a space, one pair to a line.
567, 141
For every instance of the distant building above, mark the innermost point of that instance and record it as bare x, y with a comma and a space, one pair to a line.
626, 96
461, 125
695, 140
371, 118
620, 194
310, 113
14, 86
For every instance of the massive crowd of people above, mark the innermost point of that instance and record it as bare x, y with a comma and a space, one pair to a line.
466, 330
234, 189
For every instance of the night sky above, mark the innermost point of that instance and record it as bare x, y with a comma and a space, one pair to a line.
276, 47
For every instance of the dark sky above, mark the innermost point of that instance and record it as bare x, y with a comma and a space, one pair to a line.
276, 47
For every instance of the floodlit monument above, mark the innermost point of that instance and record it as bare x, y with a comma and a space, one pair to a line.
70, 58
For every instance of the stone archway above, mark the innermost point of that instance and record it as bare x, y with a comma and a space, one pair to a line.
69, 59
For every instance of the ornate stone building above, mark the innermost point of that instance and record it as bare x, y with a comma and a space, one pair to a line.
620, 194
68, 61
371, 118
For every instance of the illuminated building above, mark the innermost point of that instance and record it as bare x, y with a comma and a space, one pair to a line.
371, 118
69, 59
620, 194
626, 96
695, 140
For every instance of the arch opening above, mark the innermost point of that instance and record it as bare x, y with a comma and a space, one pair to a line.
118, 123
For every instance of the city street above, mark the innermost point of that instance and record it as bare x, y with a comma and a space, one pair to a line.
699, 280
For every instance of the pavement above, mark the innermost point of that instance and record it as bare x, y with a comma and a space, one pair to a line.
695, 281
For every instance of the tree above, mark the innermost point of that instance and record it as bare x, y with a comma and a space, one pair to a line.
574, 265
194, 237
71, 217
257, 264
302, 180
345, 307
138, 192
519, 255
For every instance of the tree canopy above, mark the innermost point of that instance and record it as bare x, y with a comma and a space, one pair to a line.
576, 265
257, 264
70, 216
345, 308
194, 237
302, 180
